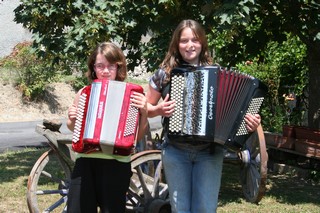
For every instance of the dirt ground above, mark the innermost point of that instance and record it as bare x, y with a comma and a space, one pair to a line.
58, 97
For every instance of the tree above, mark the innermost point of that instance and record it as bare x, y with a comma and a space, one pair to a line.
72, 27
275, 20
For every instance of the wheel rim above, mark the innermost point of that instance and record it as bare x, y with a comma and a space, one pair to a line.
48, 184
254, 167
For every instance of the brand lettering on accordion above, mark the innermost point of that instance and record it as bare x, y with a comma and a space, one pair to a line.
211, 103
100, 110
106, 121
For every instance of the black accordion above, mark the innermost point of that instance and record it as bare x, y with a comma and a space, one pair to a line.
211, 103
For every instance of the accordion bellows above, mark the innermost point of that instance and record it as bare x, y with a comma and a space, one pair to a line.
211, 103
105, 119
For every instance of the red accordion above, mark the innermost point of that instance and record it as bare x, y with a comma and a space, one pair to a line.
106, 121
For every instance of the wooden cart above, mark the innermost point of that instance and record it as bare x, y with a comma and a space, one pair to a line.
49, 179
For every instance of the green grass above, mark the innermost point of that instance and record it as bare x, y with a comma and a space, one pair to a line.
285, 193
14, 170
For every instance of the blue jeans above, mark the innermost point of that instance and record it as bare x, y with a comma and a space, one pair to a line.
193, 176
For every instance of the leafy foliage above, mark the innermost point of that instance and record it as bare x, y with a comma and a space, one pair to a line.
34, 73
284, 71
73, 27
31, 79
271, 23
242, 28
238, 31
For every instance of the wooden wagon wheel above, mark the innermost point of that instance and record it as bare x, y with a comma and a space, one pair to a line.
253, 170
48, 183
148, 192
49, 179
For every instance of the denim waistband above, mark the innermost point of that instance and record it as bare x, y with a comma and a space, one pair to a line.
191, 146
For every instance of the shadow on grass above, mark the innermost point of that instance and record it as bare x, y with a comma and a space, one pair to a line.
292, 189
14, 164
285, 188
231, 190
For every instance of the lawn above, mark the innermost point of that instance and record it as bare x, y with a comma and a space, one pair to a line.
285, 192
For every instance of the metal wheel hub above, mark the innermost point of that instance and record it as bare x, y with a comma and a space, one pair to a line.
245, 157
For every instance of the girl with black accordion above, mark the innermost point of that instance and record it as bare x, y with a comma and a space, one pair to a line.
192, 169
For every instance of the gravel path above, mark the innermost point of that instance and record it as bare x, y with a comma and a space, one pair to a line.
11, 33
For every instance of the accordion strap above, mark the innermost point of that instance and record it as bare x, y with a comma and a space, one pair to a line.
158, 140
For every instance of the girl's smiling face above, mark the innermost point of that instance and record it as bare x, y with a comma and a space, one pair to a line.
103, 69
189, 46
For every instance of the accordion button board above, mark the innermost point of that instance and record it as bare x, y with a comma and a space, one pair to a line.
211, 103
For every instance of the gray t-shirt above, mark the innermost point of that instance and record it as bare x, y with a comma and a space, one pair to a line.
157, 82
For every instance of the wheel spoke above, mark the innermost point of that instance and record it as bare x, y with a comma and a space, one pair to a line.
134, 197
254, 176
57, 204
156, 182
53, 178
51, 192
143, 181
147, 190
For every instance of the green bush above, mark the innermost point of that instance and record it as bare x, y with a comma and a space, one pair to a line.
33, 73
282, 67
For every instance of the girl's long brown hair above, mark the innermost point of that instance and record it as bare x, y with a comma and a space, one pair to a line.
173, 57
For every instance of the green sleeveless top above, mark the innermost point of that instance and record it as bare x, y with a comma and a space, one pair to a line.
124, 159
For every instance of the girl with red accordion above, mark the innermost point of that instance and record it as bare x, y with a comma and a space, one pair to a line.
193, 170
101, 180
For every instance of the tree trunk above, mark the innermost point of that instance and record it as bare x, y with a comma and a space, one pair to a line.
314, 84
